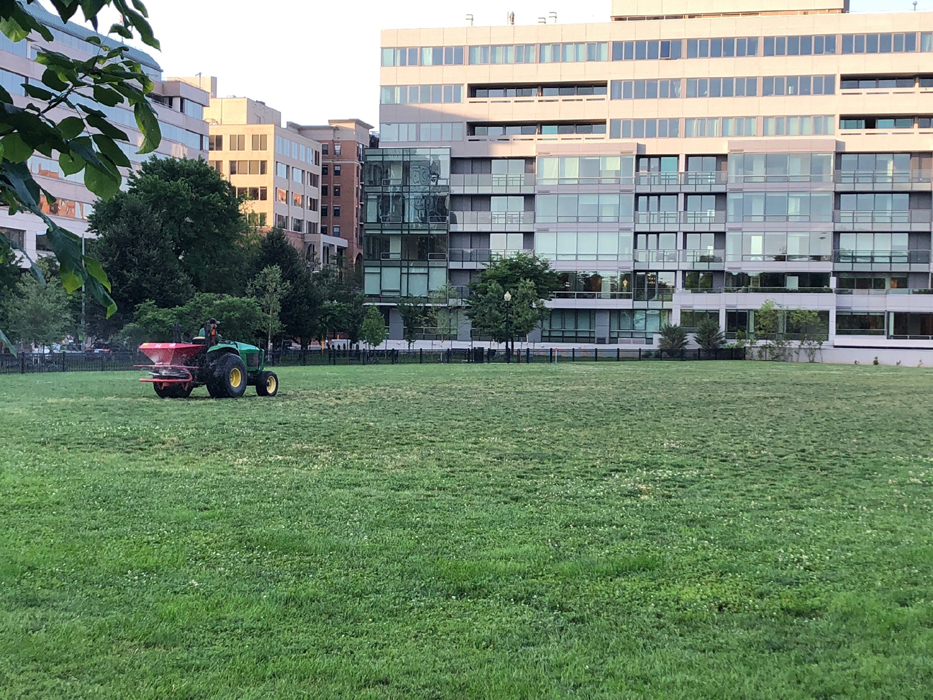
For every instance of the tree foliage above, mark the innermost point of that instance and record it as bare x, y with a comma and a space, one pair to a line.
240, 318
414, 313
84, 140
444, 311
269, 288
38, 314
709, 335
673, 338
186, 216
501, 320
508, 273
373, 331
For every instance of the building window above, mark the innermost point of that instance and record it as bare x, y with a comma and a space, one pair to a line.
337, 211
247, 167
798, 85
644, 50
215, 142
336, 190
281, 170
218, 165
803, 45
324, 229
336, 171
337, 149
281, 221
722, 48
297, 199
325, 149
336, 230
237, 142
881, 43
281, 196
312, 204
324, 210
325, 190
260, 142
298, 175
325, 170
312, 227
298, 225
252, 193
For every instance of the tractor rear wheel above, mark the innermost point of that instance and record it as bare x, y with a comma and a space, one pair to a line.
267, 384
227, 378
173, 391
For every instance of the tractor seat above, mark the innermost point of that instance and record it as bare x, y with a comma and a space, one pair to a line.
199, 340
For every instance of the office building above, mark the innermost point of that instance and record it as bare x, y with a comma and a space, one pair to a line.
178, 106
277, 169
343, 142
687, 158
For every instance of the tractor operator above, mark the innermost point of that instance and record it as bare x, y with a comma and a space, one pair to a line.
210, 333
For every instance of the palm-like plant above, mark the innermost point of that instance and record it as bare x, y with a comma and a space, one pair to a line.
673, 338
709, 335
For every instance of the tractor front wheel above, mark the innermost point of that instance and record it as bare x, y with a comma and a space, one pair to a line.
173, 391
227, 378
267, 384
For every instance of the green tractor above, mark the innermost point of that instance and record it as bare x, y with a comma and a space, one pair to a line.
225, 367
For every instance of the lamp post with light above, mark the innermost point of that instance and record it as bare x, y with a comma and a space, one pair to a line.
507, 297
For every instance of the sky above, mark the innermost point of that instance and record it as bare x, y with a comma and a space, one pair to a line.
316, 60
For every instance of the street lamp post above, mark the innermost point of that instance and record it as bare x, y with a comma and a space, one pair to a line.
507, 297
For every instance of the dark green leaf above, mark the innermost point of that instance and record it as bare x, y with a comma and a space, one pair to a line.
100, 293
37, 92
106, 128
51, 79
120, 30
71, 127
101, 181
71, 164
15, 149
148, 124
6, 343
96, 270
107, 96
112, 151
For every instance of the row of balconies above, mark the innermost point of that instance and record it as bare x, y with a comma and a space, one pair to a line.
850, 180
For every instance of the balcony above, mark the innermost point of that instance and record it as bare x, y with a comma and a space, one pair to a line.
492, 221
703, 259
882, 261
657, 259
912, 220
485, 183
477, 258
883, 292
884, 181
703, 221
681, 182
757, 290
657, 220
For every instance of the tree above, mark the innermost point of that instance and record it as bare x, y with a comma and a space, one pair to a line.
37, 313
444, 311
342, 304
142, 259
187, 211
812, 329
239, 317
302, 304
709, 335
10, 274
374, 332
489, 315
269, 289
85, 140
508, 273
673, 338
769, 331
413, 313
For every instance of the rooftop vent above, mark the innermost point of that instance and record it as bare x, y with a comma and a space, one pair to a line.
469, 20
552, 16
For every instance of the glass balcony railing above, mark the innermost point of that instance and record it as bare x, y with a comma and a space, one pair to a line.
883, 177
491, 218
882, 257
913, 216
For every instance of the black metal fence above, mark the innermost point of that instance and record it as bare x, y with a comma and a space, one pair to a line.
27, 363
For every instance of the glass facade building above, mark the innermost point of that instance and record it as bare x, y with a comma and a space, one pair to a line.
664, 183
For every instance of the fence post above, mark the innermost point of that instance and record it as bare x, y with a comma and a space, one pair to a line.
683, 354
573, 354
527, 356
102, 362
22, 363
596, 355
639, 353
63, 360
420, 356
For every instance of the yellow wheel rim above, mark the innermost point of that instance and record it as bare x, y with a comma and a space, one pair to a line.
271, 384
236, 378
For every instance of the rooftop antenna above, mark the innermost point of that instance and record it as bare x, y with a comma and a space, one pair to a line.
915, 5
542, 20
469, 19
511, 18
553, 17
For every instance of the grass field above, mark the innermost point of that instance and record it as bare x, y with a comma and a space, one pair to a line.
643, 530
